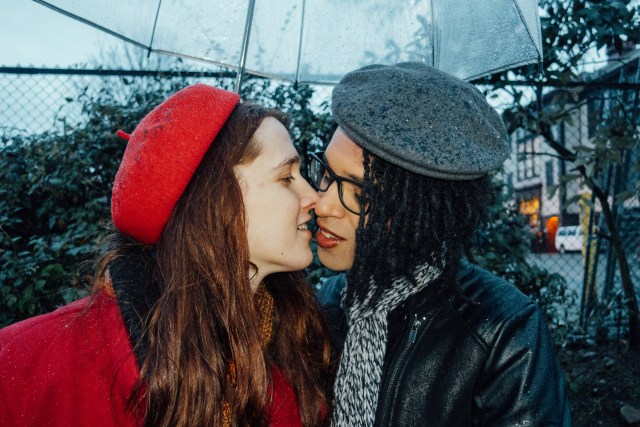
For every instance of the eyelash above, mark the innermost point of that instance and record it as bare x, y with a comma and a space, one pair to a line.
287, 179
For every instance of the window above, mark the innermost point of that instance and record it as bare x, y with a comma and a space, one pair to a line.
549, 169
527, 165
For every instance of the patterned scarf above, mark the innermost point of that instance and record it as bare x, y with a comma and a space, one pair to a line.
360, 370
265, 303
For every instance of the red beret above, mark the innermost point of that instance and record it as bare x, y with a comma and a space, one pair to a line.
162, 154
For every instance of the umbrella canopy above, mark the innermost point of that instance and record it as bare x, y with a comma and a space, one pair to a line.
318, 41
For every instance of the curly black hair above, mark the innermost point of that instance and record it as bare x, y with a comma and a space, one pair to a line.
412, 219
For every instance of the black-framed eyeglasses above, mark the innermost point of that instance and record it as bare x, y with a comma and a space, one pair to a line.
321, 177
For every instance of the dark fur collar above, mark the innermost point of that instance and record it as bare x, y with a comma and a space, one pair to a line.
136, 293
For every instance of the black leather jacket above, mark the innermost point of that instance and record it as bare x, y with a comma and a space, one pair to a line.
483, 360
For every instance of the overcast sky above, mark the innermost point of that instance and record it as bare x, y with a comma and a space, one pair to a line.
32, 34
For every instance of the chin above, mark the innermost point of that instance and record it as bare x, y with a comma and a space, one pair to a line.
334, 261
300, 264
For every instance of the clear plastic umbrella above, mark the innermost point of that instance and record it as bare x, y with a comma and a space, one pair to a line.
318, 41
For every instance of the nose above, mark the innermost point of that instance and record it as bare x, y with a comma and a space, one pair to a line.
308, 196
328, 204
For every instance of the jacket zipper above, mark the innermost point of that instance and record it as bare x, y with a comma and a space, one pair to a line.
413, 332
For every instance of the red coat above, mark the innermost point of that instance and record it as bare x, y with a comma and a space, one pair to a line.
76, 367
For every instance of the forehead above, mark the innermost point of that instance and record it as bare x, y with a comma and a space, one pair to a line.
344, 155
275, 142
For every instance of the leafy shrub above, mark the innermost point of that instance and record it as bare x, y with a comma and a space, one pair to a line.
57, 202
56, 194
502, 247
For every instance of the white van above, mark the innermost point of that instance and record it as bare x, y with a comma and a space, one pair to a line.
569, 238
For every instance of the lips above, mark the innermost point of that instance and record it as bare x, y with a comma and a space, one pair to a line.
303, 227
327, 239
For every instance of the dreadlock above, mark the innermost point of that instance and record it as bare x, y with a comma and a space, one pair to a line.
426, 219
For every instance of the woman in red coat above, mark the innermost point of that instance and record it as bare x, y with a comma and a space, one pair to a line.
199, 315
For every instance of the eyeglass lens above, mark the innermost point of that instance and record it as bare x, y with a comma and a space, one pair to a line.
322, 178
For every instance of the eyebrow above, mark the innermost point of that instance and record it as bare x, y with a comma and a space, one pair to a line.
350, 176
355, 178
288, 161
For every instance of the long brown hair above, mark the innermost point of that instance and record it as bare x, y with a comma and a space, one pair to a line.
206, 319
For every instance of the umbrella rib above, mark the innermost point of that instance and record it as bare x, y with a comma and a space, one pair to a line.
153, 31
531, 37
434, 60
245, 44
92, 24
300, 42
495, 70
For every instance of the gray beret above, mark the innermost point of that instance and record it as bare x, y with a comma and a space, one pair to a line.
421, 119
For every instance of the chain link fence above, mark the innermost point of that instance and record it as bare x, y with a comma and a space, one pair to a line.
36, 100
573, 223
568, 231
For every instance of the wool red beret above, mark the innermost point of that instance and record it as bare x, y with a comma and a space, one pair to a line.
163, 152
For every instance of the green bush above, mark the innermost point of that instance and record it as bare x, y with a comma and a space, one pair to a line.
56, 194
502, 247
55, 205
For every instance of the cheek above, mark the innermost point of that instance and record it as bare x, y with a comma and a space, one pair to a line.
270, 211
353, 222
287, 202
256, 211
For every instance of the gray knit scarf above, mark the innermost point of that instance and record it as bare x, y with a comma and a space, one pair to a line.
360, 370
